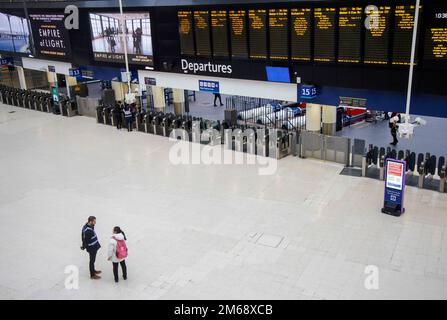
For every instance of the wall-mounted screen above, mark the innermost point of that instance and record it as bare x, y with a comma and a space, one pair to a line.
377, 36
202, 28
435, 48
278, 74
238, 32
220, 33
324, 30
403, 34
301, 34
186, 33
108, 42
350, 34
51, 38
279, 34
258, 33
14, 34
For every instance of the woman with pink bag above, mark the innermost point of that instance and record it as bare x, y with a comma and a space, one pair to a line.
118, 252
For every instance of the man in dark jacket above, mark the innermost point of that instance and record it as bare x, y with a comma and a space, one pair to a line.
91, 244
117, 115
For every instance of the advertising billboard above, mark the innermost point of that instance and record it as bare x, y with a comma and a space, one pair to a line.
108, 42
14, 34
51, 38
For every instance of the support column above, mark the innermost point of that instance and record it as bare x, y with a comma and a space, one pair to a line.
313, 117
329, 120
22, 79
159, 98
70, 81
119, 89
179, 101
52, 79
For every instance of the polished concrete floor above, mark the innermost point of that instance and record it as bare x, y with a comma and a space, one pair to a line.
202, 231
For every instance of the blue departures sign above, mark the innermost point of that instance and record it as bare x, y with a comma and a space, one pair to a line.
209, 86
394, 187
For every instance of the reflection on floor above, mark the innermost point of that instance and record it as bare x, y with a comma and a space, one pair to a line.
103, 45
429, 138
201, 231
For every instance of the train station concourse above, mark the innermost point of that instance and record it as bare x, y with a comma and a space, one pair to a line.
221, 151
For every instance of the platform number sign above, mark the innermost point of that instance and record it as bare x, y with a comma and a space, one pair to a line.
394, 187
8, 61
308, 91
209, 86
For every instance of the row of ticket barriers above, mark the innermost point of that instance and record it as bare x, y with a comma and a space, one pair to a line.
424, 170
37, 100
274, 143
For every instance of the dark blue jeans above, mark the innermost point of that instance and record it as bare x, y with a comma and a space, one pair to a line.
129, 124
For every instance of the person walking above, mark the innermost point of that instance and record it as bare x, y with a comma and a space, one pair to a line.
394, 129
117, 115
128, 117
118, 252
90, 243
217, 96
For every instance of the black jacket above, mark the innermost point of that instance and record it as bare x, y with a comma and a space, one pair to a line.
89, 238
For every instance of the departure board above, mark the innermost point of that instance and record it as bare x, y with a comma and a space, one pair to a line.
258, 33
220, 33
202, 32
377, 37
403, 34
324, 33
186, 33
301, 49
349, 34
238, 34
436, 35
279, 39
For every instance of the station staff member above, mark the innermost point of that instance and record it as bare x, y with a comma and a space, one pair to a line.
90, 243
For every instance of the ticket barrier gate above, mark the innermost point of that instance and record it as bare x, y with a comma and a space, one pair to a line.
108, 115
442, 180
68, 108
157, 128
262, 142
148, 122
166, 124
280, 144
139, 119
100, 114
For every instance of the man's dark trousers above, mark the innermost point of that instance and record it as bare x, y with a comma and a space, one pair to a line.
92, 255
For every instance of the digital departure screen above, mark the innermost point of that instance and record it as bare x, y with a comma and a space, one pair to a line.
186, 33
324, 30
349, 38
301, 49
278, 26
220, 34
202, 32
377, 36
436, 35
403, 34
238, 34
258, 34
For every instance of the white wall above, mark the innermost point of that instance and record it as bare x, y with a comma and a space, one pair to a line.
249, 88
42, 65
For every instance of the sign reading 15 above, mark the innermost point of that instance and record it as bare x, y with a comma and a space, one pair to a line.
308, 91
